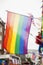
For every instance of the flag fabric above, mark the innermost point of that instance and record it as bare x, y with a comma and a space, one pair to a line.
17, 33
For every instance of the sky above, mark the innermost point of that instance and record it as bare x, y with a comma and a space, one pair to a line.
24, 7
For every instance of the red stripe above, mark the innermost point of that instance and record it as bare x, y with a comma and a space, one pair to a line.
6, 37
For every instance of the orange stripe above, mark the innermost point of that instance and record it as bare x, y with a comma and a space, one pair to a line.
9, 39
10, 23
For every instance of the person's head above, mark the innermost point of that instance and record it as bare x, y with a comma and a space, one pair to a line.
39, 33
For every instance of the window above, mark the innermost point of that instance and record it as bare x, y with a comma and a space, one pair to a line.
0, 29
0, 46
0, 37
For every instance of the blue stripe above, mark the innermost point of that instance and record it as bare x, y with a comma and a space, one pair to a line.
23, 33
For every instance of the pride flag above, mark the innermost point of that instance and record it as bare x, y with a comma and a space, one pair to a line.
17, 33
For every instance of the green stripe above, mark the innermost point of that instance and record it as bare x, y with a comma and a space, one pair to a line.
42, 23
18, 35
42, 28
42, 33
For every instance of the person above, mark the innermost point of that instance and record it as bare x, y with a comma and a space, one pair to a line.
41, 48
39, 41
41, 61
38, 38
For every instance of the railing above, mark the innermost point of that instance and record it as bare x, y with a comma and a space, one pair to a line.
10, 60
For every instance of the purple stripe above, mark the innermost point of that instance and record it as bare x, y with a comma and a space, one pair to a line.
27, 35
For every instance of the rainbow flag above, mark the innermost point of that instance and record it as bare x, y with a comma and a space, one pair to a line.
17, 32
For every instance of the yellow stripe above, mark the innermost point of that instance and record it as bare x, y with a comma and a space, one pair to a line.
15, 28
13, 43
